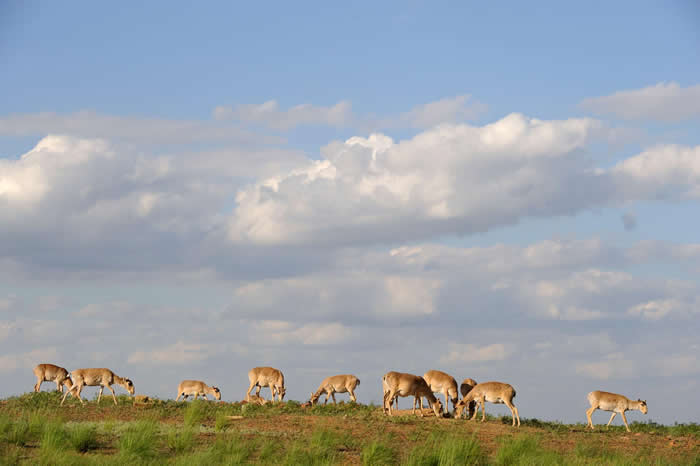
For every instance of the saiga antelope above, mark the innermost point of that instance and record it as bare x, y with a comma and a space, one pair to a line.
440, 382
401, 384
51, 373
266, 377
94, 377
196, 388
345, 383
465, 387
493, 392
613, 402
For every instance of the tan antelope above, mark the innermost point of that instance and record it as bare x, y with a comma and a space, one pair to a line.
94, 377
613, 402
401, 384
196, 388
52, 373
385, 389
464, 388
493, 392
440, 382
266, 377
345, 383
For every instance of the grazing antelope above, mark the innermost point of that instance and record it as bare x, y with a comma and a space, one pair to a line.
196, 388
466, 387
440, 382
266, 377
52, 373
401, 384
345, 383
94, 377
493, 392
615, 403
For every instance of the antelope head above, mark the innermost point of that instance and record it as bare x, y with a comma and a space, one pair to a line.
643, 406
130, 386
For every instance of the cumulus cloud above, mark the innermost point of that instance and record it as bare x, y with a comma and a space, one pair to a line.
454, 179
663, 102
457, 179
76, 196
663, 172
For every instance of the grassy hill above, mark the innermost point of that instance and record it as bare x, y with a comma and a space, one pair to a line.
34, 429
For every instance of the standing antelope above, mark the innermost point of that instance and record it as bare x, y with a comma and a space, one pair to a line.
266, 377
440, 382
386, 389
493, 392
196, 388
345, 383
51, 373
401, 384
466, 387
615, 403
94, 377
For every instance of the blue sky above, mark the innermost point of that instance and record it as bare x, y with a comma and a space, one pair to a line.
498, 190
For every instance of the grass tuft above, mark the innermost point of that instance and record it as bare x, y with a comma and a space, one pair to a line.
525, 450
180, 440
83, 438
378, 454
138, 441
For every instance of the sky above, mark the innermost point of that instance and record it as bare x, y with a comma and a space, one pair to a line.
501, 191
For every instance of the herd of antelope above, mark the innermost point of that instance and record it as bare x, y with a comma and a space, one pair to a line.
394, 384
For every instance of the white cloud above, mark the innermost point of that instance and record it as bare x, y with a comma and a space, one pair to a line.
179, 353
89, 124
269, 114
457, 179
662, 172
463, 353
268, 332
447, 110
663, 101
615, 365
661, 308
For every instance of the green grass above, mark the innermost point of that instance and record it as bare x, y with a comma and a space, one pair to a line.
180, 440
138, 441
54, 437
378, 453
195, 413
525, 450
33, 430
446, 450
83, 438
